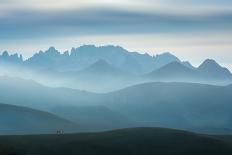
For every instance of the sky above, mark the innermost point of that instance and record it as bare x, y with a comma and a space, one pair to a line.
193, 30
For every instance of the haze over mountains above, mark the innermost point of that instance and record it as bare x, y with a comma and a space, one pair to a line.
196, 107
103, 88
109, 68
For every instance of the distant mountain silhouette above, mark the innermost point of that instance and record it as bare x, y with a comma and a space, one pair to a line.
173, 70
211, 69
207, 71
84, 56
100, 77
101, 67
109, 68
22, 120
8, 59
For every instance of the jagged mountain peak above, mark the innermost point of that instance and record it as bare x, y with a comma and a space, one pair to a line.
52, 50
5, 54
11, 58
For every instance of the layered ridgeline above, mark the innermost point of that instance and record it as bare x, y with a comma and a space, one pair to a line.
108, 68
195, 107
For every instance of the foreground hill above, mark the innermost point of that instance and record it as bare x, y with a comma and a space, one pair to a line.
136, 141
22, 120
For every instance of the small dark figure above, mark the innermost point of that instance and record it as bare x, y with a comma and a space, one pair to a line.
60, 132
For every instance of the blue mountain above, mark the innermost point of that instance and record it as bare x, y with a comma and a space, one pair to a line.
84, 56
209, 70
6, 58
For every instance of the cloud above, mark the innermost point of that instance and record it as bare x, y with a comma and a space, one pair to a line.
31, 23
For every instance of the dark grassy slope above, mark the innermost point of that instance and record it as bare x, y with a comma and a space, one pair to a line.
137, 141
22, 120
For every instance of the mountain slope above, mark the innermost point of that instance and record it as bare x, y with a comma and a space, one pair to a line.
208, 72
7, 59
174, 71
83, 106
100, 77
212, 70
102, 68
31, 94
22, 120
95, 117
134, 141
197, 107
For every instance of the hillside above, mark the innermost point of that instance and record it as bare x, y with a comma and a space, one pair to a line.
136, 141
190, 106
75, 105
22, 120
95, 117
197, 107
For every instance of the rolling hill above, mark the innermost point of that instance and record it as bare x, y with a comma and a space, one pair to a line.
134, 141
196, 107
95, 117
22, 120
75, 105
190, 106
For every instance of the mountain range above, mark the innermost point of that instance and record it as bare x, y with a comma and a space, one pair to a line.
109, 68
84, 56
101, 88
